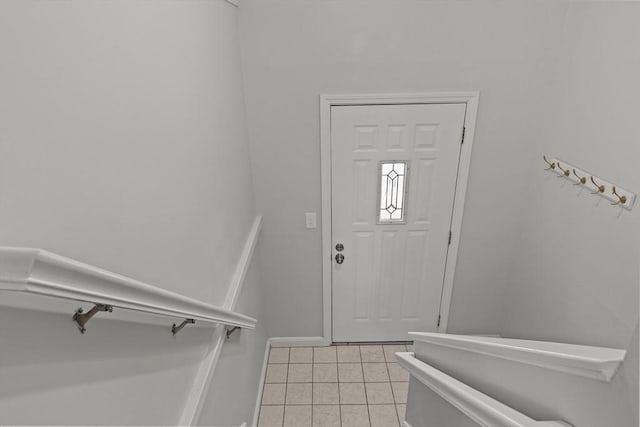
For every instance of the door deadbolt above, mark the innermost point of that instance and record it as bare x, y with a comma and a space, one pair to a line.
339, 247
339, 258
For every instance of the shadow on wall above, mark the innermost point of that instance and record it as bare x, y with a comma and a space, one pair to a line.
44, 354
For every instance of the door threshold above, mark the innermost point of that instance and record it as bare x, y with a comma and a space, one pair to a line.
373, 343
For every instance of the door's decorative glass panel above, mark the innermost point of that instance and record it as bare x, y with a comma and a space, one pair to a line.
393, 184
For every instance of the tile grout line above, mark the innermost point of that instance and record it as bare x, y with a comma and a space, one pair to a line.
393, 395
366, 398
339, 392
343, 404
312, 386
286, 386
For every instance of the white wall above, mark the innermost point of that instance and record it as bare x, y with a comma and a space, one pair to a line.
294, 51
117, 373
123, 139
122, 144
428, 409
575, 275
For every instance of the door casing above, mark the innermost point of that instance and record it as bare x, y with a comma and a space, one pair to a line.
326, 102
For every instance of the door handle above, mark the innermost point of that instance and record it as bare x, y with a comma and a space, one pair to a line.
339, 258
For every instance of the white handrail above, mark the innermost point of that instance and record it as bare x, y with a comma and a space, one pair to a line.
479, 407
37, 271
600, 363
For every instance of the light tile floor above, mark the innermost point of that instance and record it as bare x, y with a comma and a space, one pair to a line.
337, 386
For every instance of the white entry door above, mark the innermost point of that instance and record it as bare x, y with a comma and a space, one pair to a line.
393, 172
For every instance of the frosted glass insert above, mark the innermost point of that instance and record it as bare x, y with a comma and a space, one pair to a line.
392, 192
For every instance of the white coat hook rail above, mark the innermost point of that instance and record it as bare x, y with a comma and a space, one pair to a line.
617, 195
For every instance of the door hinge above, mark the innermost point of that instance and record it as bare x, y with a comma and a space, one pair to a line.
450, 236
464, 129
438, 320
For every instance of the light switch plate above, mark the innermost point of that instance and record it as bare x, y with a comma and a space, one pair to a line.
311, 219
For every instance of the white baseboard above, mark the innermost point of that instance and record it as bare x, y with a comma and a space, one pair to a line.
298, 342
405, 424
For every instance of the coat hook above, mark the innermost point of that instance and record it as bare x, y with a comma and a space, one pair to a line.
600, 188
565, 172
581, 179
175, 329
622, 199
551, 165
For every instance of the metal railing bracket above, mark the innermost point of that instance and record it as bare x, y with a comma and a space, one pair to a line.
82, 318
175, 329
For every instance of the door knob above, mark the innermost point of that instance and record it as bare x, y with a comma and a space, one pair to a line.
339, 258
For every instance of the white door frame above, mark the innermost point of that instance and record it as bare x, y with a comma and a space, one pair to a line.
326, 102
